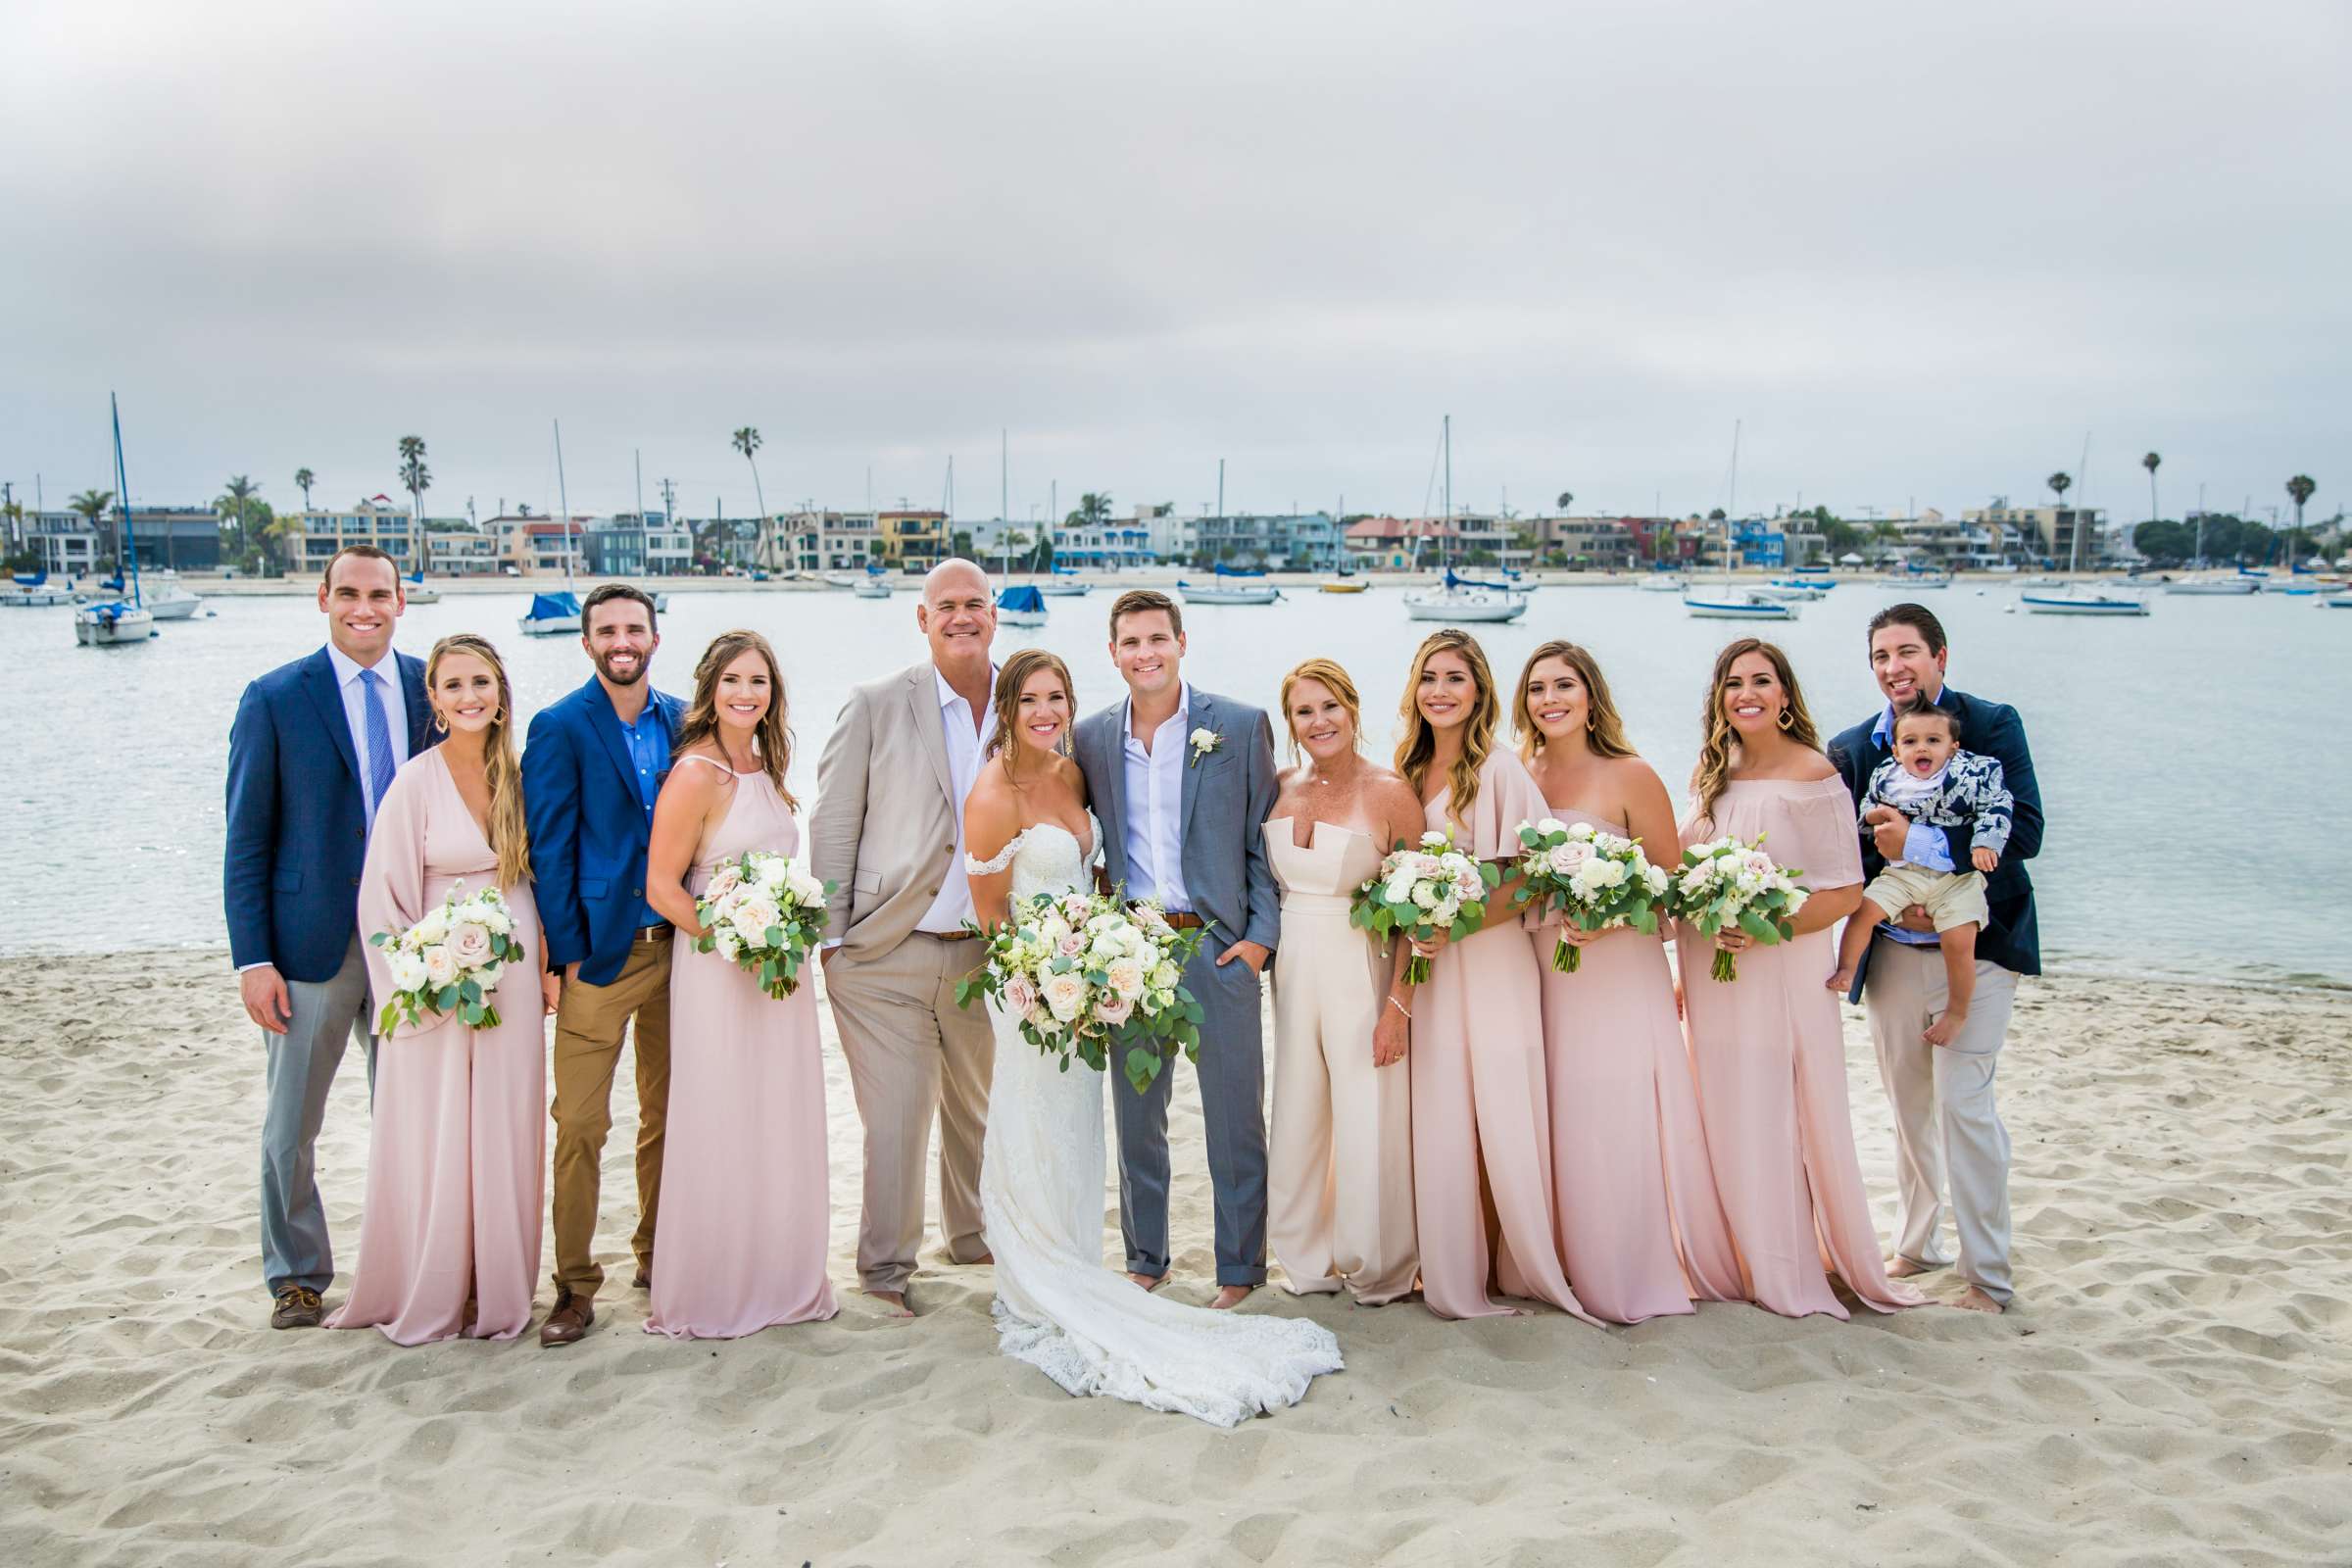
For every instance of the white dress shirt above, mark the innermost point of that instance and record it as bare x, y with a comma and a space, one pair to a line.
355, 712
954, 906
1155, 811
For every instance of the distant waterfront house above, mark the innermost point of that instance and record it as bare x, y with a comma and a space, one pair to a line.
615, 546
817, 541
1386, 543
669, 546
536, 547
1594, 543
69, 545
2046, 533
375, 521
916, 539
181, 538
1310, 540
462, 553
1104, 545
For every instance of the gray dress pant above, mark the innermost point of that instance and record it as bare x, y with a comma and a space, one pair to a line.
1233, 1099
326, 1013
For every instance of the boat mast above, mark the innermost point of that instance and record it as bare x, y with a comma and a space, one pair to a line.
130, 538
1003, 487
1731, 504
564, 499
1445, 530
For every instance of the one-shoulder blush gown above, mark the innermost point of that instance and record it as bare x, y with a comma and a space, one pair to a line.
1771, 1062
745, 1206
1059, 1306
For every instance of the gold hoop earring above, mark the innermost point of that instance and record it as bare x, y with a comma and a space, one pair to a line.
1787, 720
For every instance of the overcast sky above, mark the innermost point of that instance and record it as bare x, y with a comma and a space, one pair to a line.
1918, 256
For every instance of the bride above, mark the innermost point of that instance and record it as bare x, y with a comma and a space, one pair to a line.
1059, 1306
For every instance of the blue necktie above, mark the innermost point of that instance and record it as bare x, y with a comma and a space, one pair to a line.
379, 741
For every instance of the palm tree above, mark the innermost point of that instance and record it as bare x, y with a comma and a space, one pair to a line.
304, 478
1092, 508
747, 442
1567, 499
2060, 483
235, 501
2151, 463
92, 505
2299, 490
415, 478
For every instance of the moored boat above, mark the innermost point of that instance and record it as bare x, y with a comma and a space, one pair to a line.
2084, 599
1021, 605
1462, 598
1736, 604
550, 616
1664, 582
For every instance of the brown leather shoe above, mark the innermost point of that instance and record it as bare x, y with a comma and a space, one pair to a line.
298, 1307
568, 1323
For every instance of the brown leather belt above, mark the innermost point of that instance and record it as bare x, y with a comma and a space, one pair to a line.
651, 933
950, 936
1185, 920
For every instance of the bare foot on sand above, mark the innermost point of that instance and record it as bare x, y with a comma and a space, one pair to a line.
1900, 1268
1976, 1301
1147, 1282
1231, 1296
895, 1301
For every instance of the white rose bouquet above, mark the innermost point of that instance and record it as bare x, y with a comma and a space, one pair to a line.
448, 963
1725, 882
1085, 976
1422, 891
1597, 879
762, 914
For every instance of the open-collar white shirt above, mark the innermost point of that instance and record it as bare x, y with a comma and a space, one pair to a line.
1155, 813
965, 745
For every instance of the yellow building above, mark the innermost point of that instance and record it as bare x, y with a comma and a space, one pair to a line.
917, 538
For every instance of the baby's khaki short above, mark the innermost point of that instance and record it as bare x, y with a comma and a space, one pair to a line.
1950, 898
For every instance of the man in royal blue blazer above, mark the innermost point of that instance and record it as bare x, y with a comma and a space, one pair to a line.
314, 746
591, 771
1946, 1128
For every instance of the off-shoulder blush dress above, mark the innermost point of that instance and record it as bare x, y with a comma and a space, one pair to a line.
1771, 1062
448, 1237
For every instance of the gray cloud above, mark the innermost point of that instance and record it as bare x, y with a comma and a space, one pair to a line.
1918, 257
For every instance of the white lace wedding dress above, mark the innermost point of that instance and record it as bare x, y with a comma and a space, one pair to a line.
1059, 1307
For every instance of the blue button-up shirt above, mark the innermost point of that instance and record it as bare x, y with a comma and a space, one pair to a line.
648, 755
1923, 846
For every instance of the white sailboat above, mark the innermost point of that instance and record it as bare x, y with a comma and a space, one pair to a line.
1456, 597
1729, 603
127, 620
2084, 599
552, 615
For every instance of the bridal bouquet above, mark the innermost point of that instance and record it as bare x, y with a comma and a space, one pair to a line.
448, 963
1086, 976
762, 915
1598, 879
1725, 882
1420, 892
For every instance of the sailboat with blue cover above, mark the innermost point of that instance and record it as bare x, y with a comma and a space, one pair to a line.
127, 620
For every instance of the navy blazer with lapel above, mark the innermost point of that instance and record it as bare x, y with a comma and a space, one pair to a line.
1226, 872
297, 828
588, 829
2012, 937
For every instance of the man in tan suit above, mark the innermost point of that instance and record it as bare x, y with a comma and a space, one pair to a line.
888, 831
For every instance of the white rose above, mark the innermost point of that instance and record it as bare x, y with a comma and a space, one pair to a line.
1551, 825
1065, 996
434, 927
1163, 976
440, 969
487, 975
1425, 895
1571, 857
724, 881
1436, 839
1582, 830
1126, 977
728, 944
408, 971
1445, 913
1796, 901
470, 944
1051, 933
807, 889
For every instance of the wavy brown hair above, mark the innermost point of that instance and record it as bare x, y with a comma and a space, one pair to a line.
1340, 685
1014, 675
773, 734
1420, 744
509, 837
1604, 728
1719, 750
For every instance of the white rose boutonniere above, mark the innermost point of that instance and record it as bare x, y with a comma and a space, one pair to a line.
1204, 741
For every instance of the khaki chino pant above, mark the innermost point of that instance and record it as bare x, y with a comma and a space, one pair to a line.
913, 1052
589, 1025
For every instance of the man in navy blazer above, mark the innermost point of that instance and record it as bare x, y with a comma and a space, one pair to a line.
1945, 1124
313, 748
591, 771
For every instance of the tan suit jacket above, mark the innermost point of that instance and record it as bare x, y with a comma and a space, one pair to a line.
886, 764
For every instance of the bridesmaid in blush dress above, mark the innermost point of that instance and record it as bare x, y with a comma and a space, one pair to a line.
741, 1238
1482, 1135
1768, 1048
1339, 1191
1630, 1176
448, 1239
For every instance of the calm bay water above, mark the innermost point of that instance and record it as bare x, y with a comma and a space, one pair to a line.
2185, 765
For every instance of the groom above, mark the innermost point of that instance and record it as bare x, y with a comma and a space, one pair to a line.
1946, 1123
1182, 782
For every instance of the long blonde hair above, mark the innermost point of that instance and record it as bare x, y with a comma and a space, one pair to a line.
1419, 745
1014, 675
1716, 753
509, 835
1338, 682
773, 734
1605, 730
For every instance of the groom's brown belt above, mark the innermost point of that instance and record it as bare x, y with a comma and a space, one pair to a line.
949, 936
1185, 920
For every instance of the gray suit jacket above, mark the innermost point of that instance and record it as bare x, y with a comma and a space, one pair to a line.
1227, 797
886, 758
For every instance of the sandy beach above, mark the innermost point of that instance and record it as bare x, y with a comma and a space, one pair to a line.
2175, 1385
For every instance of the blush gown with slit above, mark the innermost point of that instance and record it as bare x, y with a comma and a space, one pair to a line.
448, 1237
1641, 1231
1481, 1131
1059, 1305
1339, 1191
1770, 1055
745, 1205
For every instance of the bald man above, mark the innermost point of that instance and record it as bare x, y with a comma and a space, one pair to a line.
888, 831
